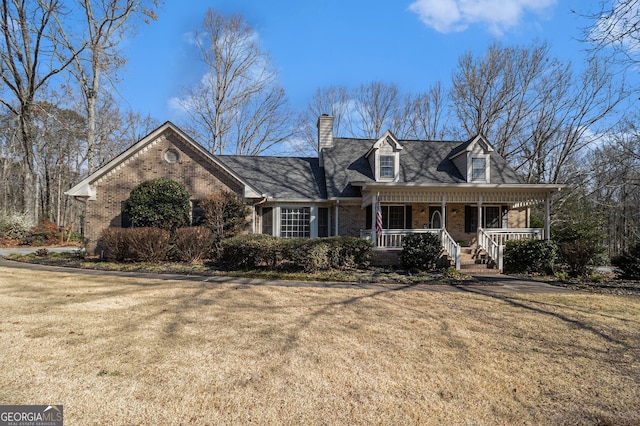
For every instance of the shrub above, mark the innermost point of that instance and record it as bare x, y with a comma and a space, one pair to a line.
158, 203
580, 240
225, 213
420, 251
193, 244
148, 244
310, 255
530, 256
248, 251
628, 262
116, 243
14, 226
45, 233
579, 256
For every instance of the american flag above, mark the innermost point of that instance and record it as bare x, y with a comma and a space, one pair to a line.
378, 218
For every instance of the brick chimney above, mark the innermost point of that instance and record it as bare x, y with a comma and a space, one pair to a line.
325, 135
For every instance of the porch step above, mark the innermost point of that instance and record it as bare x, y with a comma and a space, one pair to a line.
475, 263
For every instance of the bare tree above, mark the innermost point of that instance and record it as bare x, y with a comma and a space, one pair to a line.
32, 52
332, 100
615, 29
374, 105
238, 106
423, 115
106, 23
530, 106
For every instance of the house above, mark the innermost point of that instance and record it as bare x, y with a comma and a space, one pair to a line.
463, 191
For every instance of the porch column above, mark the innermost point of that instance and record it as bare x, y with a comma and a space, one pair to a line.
479, 212
444, 211
547, 217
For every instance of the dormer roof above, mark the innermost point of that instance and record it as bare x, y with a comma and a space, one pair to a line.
387, 137
469, 145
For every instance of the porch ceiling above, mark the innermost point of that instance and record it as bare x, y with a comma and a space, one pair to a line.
512, 194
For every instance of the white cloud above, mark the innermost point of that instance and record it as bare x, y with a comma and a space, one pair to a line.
447, 16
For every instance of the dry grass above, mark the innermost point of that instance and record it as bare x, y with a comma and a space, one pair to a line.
138, 351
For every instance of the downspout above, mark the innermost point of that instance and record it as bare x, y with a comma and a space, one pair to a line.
255, 212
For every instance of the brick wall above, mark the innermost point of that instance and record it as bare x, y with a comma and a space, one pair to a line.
195, 171
351, 219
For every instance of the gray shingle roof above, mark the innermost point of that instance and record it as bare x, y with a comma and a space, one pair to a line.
291, 178
421, 162
288, 178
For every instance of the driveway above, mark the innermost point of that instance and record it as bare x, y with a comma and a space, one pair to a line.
488, 284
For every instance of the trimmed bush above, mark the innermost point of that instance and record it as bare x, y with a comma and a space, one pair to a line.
310, 255
420, 251
193, 244
629, 262
116, 243
148, 244
158, 203
530, 256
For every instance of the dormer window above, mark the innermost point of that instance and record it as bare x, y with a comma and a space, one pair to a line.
479, 168
387, 166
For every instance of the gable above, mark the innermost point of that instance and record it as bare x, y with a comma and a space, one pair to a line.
165, 152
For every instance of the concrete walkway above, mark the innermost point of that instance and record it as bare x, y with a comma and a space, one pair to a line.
488, 284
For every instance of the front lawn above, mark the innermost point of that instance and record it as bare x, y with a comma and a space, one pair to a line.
116, 350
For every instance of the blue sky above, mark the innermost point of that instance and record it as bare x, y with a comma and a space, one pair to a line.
316, 44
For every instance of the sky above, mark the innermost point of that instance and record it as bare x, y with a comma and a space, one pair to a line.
315, 44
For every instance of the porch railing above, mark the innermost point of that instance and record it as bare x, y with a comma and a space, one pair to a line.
451, 246
494, 250
393, 238
502, 235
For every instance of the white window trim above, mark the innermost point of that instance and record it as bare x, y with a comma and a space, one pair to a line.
313, 218
396, 167
487, 168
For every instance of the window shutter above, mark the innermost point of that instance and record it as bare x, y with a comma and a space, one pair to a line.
408, 219
368, 218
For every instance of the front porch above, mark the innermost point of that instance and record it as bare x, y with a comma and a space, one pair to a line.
488, 249
481, 218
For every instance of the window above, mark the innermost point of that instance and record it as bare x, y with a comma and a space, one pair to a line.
492, 217
171, 156
323, 222
125, 220
479, 171
295, 222
387, 166
393, 217
197, 213
267, 220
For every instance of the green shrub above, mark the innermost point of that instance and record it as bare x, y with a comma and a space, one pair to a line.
193, 244
530, 256
420, 251
580, 241
158, 203
247, 251
310, 255
629, 262
148, 244
115, 242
